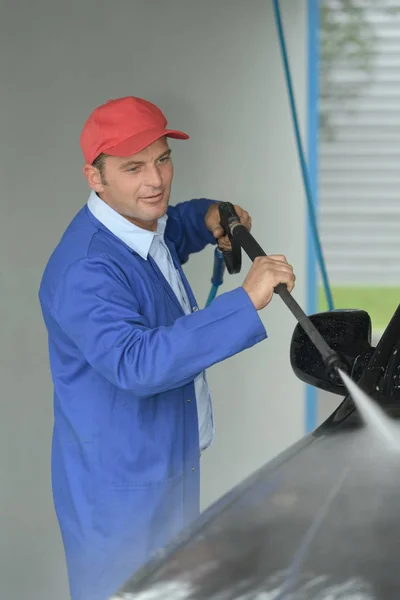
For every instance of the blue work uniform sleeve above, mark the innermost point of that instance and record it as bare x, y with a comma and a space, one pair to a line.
97, 309
187, 229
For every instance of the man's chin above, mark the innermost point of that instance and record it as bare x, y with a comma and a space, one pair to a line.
155, 210
148, 218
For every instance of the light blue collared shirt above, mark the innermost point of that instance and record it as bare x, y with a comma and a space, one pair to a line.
146, 242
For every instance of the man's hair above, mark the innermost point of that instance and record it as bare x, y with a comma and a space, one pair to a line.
99, 163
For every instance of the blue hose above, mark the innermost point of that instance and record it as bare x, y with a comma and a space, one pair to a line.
304, 170
218, 272
217, 276
212, 294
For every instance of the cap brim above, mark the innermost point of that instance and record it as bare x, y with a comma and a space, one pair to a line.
140, 141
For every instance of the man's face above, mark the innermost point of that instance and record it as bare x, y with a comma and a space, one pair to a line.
138, 187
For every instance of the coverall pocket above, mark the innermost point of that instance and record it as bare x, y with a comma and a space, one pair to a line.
137, 521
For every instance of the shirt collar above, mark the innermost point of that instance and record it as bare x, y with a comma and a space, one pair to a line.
138, 239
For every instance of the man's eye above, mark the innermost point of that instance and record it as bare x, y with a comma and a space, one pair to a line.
165, 159
133, 170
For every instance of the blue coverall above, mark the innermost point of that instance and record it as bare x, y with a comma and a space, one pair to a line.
123, 356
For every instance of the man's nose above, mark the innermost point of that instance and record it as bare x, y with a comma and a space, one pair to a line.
153, 177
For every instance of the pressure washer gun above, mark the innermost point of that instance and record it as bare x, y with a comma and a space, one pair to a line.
240, 237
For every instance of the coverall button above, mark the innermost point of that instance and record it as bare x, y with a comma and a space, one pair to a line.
195, 308
193, 469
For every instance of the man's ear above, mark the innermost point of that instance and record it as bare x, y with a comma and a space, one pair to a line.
93, 177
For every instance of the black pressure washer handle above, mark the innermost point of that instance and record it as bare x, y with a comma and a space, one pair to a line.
240, 237
229, 219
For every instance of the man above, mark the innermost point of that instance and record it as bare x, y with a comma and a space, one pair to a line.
129, 349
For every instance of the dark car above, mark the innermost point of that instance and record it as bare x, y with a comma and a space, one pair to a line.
320, 521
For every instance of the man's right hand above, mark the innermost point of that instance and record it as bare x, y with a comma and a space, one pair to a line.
265, 274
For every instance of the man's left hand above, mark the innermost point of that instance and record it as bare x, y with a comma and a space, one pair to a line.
213, 224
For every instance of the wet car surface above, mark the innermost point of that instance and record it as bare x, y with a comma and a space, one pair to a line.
321, 521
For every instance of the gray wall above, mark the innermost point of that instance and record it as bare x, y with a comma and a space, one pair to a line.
214, 67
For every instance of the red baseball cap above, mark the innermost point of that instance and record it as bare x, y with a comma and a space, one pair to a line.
123, 127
